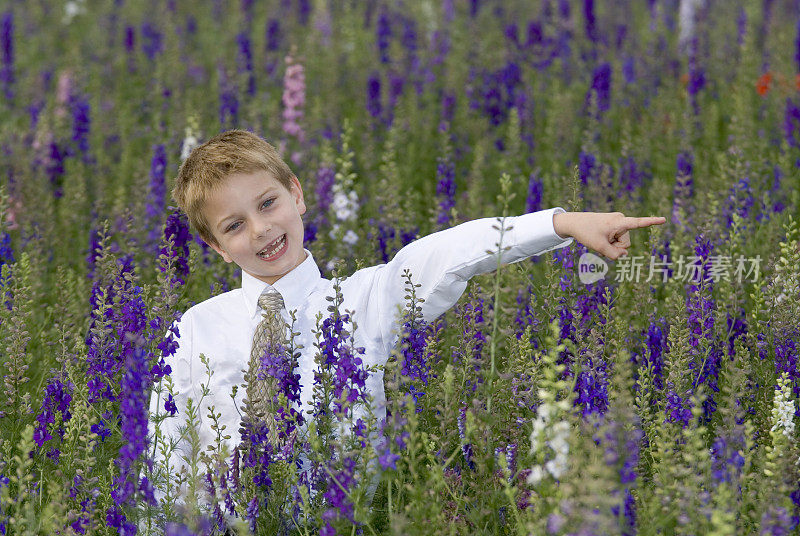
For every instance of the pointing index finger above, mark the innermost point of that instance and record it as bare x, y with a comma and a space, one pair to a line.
647, 221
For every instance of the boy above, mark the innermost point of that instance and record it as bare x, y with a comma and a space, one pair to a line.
247, 205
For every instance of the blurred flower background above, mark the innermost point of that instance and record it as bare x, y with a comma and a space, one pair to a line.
538, 405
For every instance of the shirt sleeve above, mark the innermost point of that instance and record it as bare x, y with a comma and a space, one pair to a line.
443, 262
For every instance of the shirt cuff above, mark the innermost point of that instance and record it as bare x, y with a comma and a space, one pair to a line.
536, 233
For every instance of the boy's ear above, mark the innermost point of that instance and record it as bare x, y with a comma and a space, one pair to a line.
297, 193
222, 252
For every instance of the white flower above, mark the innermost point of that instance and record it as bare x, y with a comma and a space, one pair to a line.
71, 9
189, 143
350, 237
557, 466
344, 205
783, 407
784, 414
536, 475
559, 442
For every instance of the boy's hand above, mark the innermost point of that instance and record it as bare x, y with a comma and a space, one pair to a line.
604, 232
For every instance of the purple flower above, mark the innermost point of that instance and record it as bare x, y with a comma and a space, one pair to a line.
540, 47
228, 99
622, 448
656, 348
631, 175
796, 47
134, 400
601, 87
57, 397
388, 459
591, 386
705, 350
169, 405
741, 26
276, 363
55, 166
176, 229
151, 41
154, 208
383, 35
587, 167
100, 428
497, 92
726, 458
533, 203
303, 11
245, 61
413, 348
466, 448
191, 24
791, 123
678, 410
629, 70
326, 176
740, 201
6, 251
7, 48
737, 327
684, 187
685, 163
786, 356
340, 364
448, 107
445, 189
252, 513
396, 86
339, 484
524, 316
409, 37
80, 125
776, 521
374, 95
130, 39
273, 34
590, 20
697, 76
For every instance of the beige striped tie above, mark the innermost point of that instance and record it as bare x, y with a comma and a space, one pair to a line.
261, 390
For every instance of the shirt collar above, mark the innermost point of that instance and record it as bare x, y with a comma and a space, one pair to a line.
294, 286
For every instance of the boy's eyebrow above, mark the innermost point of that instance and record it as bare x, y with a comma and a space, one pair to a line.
221, 222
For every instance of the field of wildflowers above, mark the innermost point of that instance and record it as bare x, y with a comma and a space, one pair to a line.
654, 400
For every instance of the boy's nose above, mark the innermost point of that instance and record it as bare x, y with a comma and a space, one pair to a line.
261, 229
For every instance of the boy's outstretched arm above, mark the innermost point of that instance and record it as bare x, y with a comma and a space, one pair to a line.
604, 232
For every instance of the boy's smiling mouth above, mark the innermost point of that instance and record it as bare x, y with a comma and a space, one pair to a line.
274, 249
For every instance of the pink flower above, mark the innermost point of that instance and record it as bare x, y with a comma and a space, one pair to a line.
63, 92
294, 99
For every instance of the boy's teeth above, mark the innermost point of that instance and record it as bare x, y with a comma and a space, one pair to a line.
272, 251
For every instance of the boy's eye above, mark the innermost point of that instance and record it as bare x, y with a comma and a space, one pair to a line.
267, 202
233, 226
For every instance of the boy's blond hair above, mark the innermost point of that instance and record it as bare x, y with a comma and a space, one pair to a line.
208, 166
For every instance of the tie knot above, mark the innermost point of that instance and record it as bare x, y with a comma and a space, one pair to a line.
271, 301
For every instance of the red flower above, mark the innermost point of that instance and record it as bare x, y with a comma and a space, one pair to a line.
797, 81
764, 83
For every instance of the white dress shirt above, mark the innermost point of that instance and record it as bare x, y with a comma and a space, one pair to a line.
222, 327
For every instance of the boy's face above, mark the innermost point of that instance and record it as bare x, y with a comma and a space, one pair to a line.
256, 222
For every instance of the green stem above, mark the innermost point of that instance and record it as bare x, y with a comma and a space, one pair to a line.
493, 343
